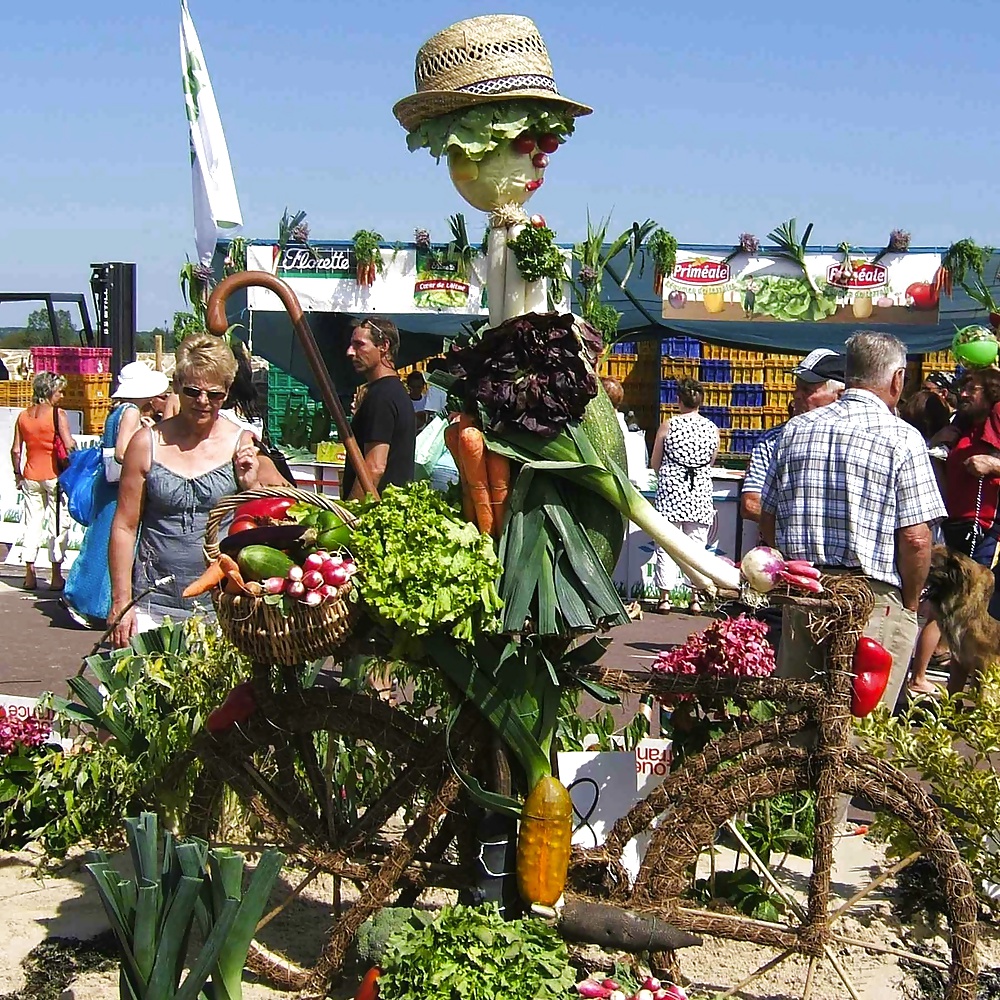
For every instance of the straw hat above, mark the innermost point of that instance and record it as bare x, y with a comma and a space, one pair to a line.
137, 380
497, 57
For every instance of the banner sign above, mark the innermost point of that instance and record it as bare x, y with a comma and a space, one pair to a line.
299, 261
441, 283
834, 288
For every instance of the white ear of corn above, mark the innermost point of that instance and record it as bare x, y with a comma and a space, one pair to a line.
536, 296
513, 304
496, 273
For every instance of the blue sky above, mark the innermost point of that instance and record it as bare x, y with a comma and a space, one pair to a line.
711, 118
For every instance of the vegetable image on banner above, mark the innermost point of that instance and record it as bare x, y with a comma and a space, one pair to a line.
442, 283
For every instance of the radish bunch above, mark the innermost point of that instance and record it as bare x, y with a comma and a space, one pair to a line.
650, 989
320, 578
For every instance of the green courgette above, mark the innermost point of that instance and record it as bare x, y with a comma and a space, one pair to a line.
259, 562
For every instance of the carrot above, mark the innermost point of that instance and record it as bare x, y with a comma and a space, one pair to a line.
368, 990
472, 464
498, 474
451, 441
213, 576
228, 564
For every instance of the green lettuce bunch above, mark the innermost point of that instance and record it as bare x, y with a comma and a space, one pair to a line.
423, 567
480, 129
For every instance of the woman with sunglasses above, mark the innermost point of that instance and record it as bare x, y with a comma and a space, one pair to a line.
88, 588
173, 475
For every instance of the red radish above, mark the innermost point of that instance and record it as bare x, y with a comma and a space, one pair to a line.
314, 560
540, 161
538, 221
295, 574
337, 576
312, 599
802, 567
651, 983
336, 559
295, 589
801, 582
644, 995
548, 143
274, 585
328, 592
592, 990
524, 144
312, 579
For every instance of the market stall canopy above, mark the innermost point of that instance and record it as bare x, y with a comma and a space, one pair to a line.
432, 297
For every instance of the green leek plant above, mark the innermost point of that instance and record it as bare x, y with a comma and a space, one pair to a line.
788, 247
152, 915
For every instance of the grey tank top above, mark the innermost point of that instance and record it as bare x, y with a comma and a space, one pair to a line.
174, 515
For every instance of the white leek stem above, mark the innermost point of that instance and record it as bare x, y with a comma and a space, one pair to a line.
536, 296
496, 273
513, 304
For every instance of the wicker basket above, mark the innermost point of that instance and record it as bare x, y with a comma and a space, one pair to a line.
263, 631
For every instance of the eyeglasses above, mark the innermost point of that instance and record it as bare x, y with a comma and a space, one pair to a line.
212, 395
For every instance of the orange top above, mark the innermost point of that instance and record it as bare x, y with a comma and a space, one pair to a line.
39, 437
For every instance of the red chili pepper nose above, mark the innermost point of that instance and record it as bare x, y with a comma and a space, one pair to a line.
872, 665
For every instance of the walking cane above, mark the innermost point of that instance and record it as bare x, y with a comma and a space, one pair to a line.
218, 324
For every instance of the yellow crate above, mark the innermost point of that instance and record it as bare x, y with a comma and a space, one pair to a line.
778, 372
774, 415
778, 396
927, 367
748, 372
713, 352
679, 368
716, 393
746, 418
939, 360
15, 393
618, 366
725, 440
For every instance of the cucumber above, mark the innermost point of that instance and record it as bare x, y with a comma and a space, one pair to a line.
259, 562
604, 524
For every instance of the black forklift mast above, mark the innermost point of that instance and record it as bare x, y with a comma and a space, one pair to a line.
113, 289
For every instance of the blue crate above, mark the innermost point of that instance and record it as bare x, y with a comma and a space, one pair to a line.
744, 441
715, 370
680, 347
747, 394
668, 391
625, 347
719, 415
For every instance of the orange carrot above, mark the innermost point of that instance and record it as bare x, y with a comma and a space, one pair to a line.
229, 564
213, 576
451, 441
498, 474
472, 464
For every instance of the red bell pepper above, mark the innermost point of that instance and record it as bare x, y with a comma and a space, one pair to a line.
264, 510
368, 990
871, 665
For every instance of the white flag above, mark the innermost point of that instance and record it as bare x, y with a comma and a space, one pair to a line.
216, 207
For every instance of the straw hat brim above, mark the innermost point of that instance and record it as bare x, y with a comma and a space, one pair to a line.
414, 110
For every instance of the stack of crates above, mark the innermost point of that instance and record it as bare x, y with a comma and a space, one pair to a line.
937, 361
16, 393
287, 396
87, 371
680, 358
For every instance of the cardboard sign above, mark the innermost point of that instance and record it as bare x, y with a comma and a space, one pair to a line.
605, 785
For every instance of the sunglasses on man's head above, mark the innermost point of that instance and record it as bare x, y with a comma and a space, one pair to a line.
212, 395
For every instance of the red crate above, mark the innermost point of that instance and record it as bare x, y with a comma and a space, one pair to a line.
71, 360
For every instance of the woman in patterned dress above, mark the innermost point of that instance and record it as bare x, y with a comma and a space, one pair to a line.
683, 453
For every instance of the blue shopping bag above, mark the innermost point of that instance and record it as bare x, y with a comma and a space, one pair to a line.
79, 482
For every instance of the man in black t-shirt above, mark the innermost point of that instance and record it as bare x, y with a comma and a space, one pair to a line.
384, 423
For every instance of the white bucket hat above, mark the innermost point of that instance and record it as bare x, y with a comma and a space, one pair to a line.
137, 380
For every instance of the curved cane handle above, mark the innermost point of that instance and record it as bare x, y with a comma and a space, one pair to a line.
218, 324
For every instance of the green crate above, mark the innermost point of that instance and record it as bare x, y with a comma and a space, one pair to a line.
278, 380
279, 403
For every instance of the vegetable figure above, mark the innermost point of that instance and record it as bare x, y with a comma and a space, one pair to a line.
871, 665
975, 346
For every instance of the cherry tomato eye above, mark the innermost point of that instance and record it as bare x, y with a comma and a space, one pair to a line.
524, 144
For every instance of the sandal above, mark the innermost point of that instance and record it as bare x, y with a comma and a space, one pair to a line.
664, 608
695, 608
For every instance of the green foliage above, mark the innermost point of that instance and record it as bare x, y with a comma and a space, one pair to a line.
784, 824
662, 247
744, 890
537, 254
423, 566
372, 941
38, 322
473, 953
924, 738
572, 728
366, 248
480, 129
159, 694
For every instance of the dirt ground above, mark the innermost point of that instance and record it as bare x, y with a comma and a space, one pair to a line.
65, 905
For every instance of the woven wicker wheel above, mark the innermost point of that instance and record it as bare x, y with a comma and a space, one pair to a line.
263, 631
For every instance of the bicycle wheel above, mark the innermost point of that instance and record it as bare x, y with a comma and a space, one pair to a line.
273, 765
786, 954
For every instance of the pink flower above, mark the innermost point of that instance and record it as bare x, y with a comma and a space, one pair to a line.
729, 647
29, 732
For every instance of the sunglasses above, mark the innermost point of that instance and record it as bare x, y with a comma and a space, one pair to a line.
212, 395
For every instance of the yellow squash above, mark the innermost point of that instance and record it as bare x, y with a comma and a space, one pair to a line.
543, 842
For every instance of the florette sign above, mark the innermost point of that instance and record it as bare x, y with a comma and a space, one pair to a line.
864, 276
701, 272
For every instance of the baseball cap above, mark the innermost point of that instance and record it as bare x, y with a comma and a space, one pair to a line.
942, 380
820, 365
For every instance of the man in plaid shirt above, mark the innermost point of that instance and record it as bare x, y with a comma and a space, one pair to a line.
850, 487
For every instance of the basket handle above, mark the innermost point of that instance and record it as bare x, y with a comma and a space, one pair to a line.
218, 324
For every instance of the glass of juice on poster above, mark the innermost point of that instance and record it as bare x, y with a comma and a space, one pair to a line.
714, 299
862, 306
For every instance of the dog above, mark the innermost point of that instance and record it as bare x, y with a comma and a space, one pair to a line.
957, 595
